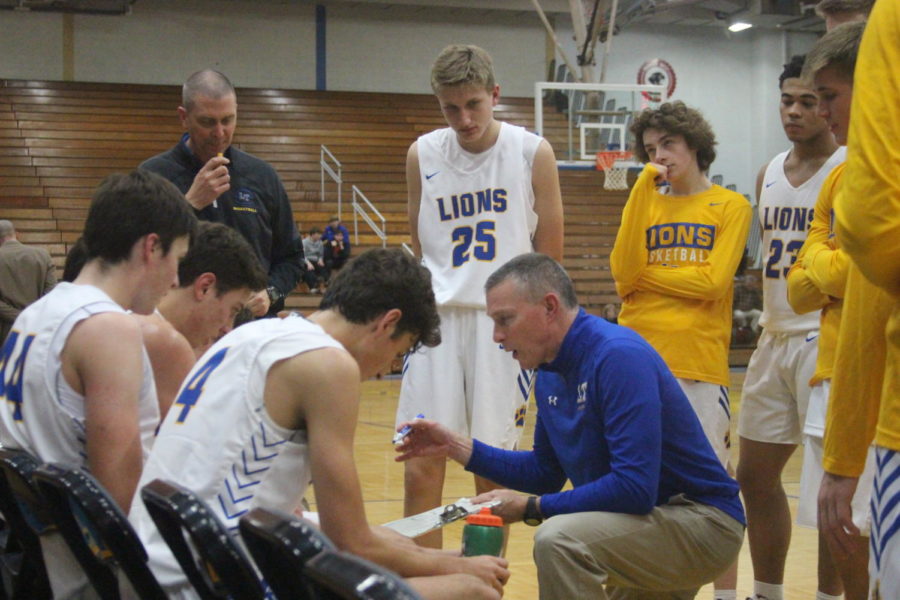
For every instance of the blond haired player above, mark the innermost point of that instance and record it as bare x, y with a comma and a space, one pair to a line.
867, 215
480, 192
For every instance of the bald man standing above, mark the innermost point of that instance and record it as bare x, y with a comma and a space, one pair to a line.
26, 274
225, 185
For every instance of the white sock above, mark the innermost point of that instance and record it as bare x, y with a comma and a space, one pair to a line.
824, 596
726, 595
768, 591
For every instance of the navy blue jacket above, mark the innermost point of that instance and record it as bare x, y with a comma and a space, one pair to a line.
256, 205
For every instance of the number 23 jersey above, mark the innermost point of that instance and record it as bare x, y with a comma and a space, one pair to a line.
785, 213
476, 210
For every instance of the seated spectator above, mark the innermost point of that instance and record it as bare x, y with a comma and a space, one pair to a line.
337, 251
316, 273
332, 229
611, 312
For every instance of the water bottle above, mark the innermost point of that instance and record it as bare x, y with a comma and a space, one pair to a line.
483, 534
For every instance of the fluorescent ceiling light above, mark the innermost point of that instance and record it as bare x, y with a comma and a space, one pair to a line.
739, 26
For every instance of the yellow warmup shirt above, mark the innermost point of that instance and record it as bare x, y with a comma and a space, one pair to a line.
817, 279
867, 209
674, 262
856, 383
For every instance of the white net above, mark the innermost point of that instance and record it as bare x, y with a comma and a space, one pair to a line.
615, 179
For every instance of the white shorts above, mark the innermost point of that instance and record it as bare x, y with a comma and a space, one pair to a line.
776, 388
468, 382
884, 542
710, 402
811, 475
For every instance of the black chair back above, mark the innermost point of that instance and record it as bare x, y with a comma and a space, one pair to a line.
354, 578
282, 545
96, 531
27, 518
214, 563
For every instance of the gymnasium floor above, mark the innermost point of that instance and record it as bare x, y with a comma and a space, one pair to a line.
382, 481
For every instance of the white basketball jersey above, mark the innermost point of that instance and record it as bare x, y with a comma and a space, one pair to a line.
219, 441
785, 213
42, 413
476, 210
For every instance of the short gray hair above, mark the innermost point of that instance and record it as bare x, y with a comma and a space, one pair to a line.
537, 274
6, 229
207, 82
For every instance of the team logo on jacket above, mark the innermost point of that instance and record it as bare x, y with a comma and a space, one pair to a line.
244, 201
582, 395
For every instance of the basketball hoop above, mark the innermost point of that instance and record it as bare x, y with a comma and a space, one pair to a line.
615, 178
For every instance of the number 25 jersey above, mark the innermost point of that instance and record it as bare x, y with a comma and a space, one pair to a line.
476, 210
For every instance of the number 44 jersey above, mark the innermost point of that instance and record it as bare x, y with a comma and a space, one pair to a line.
785, 213
476, 210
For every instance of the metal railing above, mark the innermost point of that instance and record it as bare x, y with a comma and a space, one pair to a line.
336, 175
359, 210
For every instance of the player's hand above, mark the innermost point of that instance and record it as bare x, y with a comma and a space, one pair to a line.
835, 514
493, 570
662, 173
512, 504
426, 438
258, 304
211, 181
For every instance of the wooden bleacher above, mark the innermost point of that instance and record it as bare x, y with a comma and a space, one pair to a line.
59, 139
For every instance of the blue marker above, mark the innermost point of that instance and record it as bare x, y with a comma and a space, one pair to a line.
401, 435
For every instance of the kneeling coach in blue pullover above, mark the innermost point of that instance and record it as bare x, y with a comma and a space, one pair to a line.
652, 510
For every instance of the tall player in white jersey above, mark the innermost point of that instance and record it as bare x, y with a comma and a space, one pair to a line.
74, 375
480, 192
776, 388
274, 405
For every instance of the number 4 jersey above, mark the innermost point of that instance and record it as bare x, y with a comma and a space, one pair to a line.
785, 213
42, 413
476, 210
219, 440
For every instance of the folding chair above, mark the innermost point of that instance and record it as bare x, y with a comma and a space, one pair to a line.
214, 563
354, 578
282, 545
96, 530
26, 518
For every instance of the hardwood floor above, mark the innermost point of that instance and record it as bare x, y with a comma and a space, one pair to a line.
382, 481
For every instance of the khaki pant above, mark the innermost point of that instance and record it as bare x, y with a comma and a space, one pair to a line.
669, 553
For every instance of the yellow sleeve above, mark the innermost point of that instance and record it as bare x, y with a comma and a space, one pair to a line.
857, 377
628, 259
806, 289
712, 280
868, 207
827, 269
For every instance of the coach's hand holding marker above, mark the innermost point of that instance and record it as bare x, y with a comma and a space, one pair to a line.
404, 431
211, 181
216, 202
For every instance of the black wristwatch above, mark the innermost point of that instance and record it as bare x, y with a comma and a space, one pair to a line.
273, 293
532, 516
